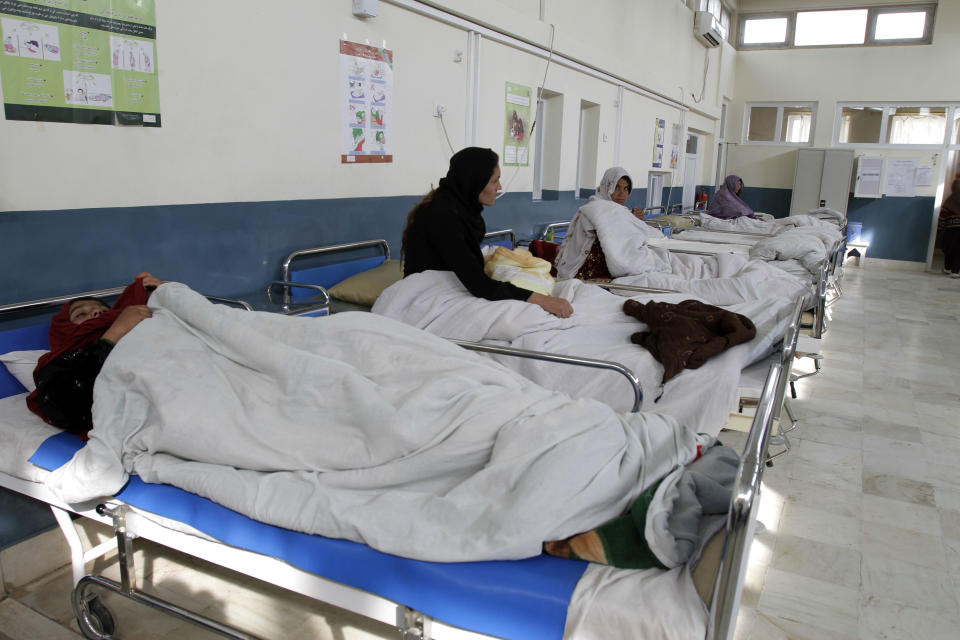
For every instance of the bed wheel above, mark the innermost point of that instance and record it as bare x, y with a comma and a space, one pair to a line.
95, 619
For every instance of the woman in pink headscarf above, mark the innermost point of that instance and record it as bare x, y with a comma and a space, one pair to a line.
727, 203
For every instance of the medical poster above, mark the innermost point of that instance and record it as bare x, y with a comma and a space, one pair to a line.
901, 175
659, 128
516, 136
366, 103
80, 61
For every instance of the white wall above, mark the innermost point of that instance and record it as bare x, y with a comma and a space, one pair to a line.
831, 75
248, 117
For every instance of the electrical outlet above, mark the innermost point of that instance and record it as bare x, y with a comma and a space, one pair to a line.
439, 110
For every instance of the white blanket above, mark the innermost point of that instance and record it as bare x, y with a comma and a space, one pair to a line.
735, 283
793, 244
622, 235
359, 427
743, 223
436, 302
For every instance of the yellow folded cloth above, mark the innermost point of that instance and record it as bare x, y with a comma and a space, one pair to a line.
520, 268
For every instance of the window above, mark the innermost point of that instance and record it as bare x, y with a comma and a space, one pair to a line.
859, 26
860, 125
917, 125
889, 124
760, 31
901, 25
830, 28
779, 123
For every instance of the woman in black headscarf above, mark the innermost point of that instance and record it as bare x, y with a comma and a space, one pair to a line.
444, 230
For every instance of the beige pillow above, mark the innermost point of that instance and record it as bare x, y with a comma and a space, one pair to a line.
365, 287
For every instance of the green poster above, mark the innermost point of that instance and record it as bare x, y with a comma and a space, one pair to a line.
516, 135
85, 61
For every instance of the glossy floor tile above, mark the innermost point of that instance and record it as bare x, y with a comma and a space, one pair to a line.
866, 544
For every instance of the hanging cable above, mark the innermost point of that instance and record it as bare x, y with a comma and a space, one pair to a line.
703, 87
445, 135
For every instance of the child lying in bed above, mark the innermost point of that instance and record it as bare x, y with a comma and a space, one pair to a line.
82, 335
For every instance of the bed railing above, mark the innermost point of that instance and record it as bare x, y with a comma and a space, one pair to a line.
648, 210
503, 234
562, 359
751, 234
741, 517
286, 304
319, 251
41, 303
552, 230
612, 286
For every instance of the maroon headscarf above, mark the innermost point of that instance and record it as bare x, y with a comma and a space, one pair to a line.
67, 337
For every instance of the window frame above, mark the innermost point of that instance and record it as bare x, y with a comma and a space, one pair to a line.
952, 110
927, 37
780, 105
787, 37
870, 40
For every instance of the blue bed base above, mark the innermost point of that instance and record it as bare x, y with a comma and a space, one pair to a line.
510, 599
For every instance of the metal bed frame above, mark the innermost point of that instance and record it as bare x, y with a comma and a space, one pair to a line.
96, 621
757, 236
43, 303
505, 234
552, 229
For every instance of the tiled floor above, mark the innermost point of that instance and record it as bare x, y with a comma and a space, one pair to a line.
862, 517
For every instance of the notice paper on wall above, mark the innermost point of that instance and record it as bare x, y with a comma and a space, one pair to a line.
924, 177
901, 176
92, 63
659, 127
869, 177
366, 103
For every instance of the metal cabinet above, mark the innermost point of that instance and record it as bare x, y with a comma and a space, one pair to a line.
822, 179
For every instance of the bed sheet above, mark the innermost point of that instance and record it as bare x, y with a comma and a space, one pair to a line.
700, 399
604, 604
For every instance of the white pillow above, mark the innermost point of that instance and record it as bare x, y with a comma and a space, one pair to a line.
21, 364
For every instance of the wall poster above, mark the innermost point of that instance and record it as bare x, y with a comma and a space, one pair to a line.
901, 177
659, 128
516, 135
80, 61
869, 177
366, 113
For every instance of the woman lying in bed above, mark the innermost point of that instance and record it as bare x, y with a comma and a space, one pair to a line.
444, 231
359, 427
82, 335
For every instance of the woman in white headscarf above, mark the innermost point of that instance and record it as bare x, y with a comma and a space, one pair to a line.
581, 255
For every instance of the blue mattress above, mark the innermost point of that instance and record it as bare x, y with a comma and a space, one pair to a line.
510, 599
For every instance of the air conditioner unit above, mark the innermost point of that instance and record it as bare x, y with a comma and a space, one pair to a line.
708, 29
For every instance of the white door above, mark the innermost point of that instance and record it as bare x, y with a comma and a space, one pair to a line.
689, 182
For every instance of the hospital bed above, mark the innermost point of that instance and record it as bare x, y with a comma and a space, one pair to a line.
532, 598
682, 398
707, 248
